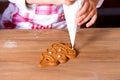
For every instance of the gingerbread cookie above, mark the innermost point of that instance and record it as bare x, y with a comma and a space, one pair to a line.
65, 49
55, 54
47, 60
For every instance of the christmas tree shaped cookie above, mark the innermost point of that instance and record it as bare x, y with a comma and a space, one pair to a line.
56, 54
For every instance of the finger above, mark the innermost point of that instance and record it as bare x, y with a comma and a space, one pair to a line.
80, 20
89, 16
92, 21
73, 0
68, 2
86, 17
84, 8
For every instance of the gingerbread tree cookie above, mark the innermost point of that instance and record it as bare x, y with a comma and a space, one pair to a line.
56, 54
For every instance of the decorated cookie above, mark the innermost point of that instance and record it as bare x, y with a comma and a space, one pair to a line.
58, 54
55, 54
66, 49
47, 60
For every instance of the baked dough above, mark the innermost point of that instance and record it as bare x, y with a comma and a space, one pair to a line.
56, 54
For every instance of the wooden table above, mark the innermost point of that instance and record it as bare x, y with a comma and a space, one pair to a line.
98, 59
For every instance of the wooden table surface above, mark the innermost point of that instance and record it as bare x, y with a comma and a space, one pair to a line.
98, 59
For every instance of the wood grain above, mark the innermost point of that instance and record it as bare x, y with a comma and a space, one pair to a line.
98, 59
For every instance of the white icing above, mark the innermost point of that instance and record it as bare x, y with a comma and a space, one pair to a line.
70, 15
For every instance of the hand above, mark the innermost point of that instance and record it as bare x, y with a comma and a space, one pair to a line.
87, 12
66, 2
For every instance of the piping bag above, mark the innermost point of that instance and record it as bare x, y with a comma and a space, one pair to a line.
70, 12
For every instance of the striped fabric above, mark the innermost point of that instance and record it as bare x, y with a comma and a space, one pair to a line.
18, 15
41, 17
46, 9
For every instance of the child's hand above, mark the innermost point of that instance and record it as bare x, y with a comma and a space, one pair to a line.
87, 12
66, 2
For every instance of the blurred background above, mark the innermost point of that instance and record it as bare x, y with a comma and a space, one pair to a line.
108, 13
